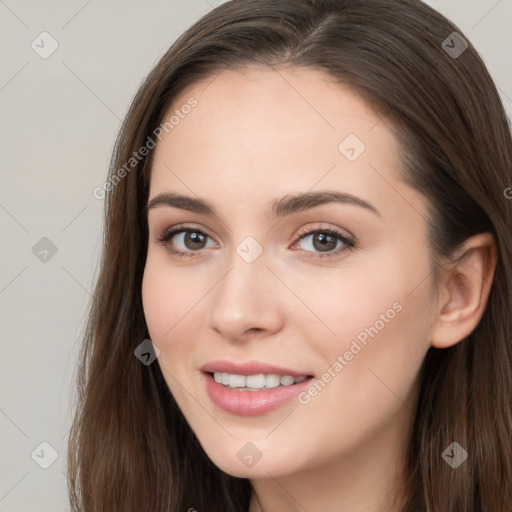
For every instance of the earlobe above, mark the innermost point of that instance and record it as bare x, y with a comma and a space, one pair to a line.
465, 292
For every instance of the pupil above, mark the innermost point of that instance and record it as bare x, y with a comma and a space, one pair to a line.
195, 238
324, 238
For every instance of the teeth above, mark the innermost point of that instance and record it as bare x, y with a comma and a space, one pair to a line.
236, 381
255, 382
287, 380
272, 381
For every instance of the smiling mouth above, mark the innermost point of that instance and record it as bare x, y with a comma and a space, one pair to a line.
257, 382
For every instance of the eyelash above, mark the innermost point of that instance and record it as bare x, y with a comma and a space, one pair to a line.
350, 244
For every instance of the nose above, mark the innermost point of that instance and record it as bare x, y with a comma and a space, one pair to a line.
246, 300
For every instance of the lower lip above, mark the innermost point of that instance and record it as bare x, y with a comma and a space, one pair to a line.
252, 403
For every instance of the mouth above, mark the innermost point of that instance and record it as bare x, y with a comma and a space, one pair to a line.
248, 396
256, 382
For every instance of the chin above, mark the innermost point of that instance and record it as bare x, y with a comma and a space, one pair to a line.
243, 460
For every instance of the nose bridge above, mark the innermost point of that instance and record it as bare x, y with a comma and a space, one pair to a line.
245, 276
242, 299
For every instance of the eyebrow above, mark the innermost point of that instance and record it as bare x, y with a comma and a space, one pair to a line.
287, 205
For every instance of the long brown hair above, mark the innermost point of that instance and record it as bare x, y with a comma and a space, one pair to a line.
130, 447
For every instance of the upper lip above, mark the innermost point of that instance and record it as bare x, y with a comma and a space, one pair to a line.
249, 368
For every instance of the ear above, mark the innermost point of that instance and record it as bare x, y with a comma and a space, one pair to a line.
465, 291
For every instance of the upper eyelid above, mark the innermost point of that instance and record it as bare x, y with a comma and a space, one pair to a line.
180, 229
302, 231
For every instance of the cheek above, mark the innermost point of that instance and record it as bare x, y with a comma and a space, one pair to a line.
360, 303
383, 334
173, 302
370, 371
162, 303
168, 296
375, 333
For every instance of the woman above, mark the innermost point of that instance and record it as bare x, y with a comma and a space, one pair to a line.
305, 292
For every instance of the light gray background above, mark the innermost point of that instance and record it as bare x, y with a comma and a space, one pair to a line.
59, 119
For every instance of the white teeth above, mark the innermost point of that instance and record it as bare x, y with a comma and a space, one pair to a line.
272, 380
236, 381
255, 382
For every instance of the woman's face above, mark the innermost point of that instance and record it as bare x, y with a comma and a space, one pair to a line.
248, 289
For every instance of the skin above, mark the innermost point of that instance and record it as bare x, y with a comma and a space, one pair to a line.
257, 135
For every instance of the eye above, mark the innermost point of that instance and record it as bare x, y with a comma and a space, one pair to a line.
327, 241
188, 239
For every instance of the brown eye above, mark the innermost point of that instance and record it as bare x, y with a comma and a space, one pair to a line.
184, 240
194, 240
324, 242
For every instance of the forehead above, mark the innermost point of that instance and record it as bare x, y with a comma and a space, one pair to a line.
258, 103
262, 131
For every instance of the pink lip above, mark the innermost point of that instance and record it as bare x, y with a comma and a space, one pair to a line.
251, 403
249, 368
